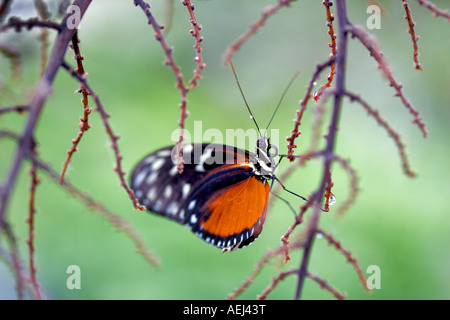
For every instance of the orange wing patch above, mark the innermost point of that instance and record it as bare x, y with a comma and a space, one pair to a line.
239, 208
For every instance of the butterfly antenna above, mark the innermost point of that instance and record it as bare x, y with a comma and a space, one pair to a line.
281, 99
242, 93
285, 189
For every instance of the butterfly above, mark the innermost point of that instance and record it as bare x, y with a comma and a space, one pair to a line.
222, 193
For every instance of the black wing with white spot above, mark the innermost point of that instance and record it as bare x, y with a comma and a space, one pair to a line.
158, 185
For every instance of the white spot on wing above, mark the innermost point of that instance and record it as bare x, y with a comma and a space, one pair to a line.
149, 159
205, 156
139, 178
152, 177
172, 208
185, 190
158, 205
199, 167
151, 194
188, 148
193, 219
164, 153
157, 164
192, 204
168, 191
173, 172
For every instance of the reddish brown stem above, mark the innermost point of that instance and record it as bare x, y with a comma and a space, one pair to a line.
176, 70
338, 246
111, 217
40, 96
324, 285
353, 185
372, 46
332, 45
274, 283
303, 105
435, 10
232, 48
31, 233
414, 38
392, 133
198, 48
111, 135
328, 194
84, 124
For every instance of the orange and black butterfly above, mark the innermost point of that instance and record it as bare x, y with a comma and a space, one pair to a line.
221, 195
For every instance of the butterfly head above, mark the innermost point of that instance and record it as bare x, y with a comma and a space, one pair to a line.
264, 160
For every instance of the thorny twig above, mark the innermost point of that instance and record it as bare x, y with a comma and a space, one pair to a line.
435, 10
31, 232
36, 105
338, 59
303, 105
348, 255
44, 15
198, 48
330, 18
269, 11
176, 70
372, 46
392, 133
331, 137
84, 121
113, 137
414, 38
111, 217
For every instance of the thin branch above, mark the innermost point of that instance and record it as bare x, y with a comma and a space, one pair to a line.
330, 18
329, 196
414, 38
15, 258
371, 44
275, 281
176, 70
17, 24
36, 105
44, 15
341, 57
268, 256
198, 40
31, 233
19, 109
84, 124
349, 257
254, 28
324, 285
353, 185
303, 105
391, 132
298, 220
111, 217
435, 10
111, 135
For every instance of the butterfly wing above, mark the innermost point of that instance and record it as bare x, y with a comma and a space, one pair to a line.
158, 185
232, 214
217, 196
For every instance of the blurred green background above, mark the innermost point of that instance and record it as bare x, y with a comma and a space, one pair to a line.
400, 224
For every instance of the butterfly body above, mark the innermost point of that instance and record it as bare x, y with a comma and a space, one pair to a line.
221, 195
